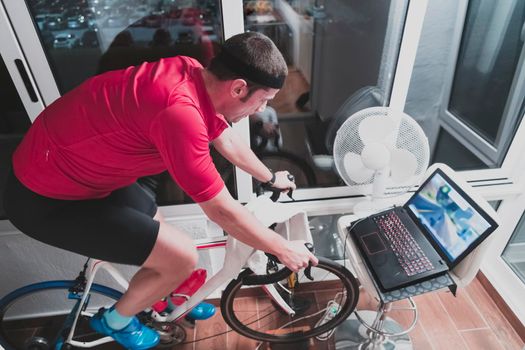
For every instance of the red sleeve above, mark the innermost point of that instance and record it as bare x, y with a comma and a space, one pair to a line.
181, 137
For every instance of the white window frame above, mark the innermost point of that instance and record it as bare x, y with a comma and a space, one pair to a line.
452, 124
494, 183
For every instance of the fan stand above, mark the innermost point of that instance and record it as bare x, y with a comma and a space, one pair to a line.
374, 203
369, 206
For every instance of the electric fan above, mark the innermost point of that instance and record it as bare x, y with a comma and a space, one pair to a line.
382, 152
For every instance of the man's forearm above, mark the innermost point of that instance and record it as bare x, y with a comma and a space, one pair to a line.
240, 223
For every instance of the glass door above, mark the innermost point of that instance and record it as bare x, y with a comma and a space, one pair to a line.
337, 51
504, 265
483, 102
514, 253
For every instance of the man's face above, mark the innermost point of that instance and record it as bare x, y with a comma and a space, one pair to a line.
256, 103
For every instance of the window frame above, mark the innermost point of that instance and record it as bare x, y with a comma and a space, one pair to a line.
467, 136
232, 12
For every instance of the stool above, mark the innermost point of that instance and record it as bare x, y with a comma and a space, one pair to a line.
373, 329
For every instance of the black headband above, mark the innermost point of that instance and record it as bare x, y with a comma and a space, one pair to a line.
250, 72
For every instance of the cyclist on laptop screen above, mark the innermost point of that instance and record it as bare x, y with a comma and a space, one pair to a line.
74, 175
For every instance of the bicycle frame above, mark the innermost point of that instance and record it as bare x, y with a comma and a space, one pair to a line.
292, 224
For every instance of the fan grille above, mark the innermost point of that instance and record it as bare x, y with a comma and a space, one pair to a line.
409, 136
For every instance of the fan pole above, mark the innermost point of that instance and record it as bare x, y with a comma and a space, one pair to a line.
379, 184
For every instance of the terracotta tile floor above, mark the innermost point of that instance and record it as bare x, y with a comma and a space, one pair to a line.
469, 321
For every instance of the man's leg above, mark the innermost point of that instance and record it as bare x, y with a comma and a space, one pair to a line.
171, 261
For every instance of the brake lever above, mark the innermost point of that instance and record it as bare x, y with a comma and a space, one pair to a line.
307, 271
276, 192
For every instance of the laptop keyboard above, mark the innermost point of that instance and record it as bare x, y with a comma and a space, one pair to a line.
409, 254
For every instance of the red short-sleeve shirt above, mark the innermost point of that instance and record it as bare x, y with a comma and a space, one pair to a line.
122, 125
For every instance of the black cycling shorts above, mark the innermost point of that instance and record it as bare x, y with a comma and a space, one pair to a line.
119, 228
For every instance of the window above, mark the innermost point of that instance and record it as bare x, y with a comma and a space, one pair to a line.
85, 38
514, 253
478, 95
334, 52
488, 57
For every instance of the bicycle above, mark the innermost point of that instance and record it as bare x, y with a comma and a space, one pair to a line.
268, 148
295, 306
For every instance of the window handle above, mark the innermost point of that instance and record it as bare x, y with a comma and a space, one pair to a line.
25, 78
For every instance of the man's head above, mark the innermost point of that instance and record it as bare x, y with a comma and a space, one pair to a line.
254, 71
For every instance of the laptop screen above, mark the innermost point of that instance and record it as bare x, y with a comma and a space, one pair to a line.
450, 219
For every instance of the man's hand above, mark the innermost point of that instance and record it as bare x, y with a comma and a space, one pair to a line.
295, 256
283, 182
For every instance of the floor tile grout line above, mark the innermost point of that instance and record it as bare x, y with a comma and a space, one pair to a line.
452, 320
422, 325
475, 329
476, 306
489, 300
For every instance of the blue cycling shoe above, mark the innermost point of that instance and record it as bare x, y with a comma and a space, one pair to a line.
202, 311
135, 336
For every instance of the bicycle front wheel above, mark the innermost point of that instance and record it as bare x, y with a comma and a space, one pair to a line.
34, 317
253, 313
282, 160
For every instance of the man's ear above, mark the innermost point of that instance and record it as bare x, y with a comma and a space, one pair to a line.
238, 88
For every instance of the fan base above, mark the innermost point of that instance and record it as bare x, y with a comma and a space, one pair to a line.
370, 206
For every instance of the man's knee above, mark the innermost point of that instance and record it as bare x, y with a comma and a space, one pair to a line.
187, 261
173, 251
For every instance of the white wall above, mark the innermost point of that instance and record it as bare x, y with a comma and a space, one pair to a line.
24, 260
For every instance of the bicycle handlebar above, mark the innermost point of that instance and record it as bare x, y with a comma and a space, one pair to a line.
279, 275
276, 192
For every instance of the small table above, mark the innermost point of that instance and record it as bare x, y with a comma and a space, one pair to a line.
380, 332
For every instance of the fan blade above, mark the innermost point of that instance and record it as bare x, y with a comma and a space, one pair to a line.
403, 164
375, 156
375, 128
355, 168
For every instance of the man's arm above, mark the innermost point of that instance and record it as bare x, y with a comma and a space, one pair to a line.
238, 152
244, 226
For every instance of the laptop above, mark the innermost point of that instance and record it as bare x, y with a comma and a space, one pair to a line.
429, 235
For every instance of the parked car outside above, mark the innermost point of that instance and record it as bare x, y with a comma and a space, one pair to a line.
185, 37
135, 21
55, 22
207, 33
89, 39
75, 22
64, 41
40, 21
153, 21
116, 21
190, 16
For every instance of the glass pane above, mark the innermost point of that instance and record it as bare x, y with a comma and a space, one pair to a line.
488, 58
514, 253
450, 151
341, 58
326, 239
14, 122
88, 37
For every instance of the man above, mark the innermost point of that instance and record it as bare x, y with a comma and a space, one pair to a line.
73, 182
